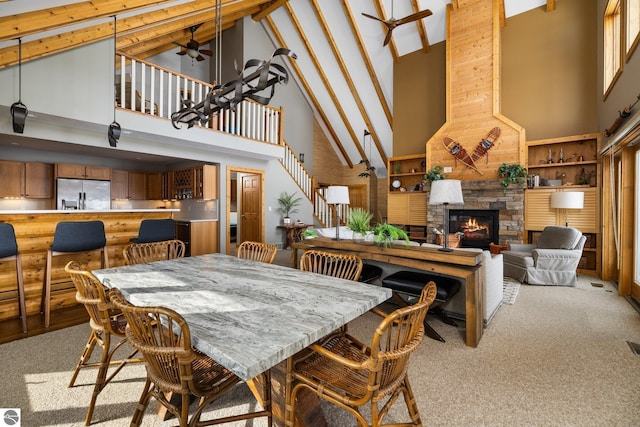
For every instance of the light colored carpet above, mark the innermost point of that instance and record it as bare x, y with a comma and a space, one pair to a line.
510, 289
557, 358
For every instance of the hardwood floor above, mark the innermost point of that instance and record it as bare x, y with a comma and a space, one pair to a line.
11, 330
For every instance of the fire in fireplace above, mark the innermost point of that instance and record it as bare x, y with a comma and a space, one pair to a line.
477, 227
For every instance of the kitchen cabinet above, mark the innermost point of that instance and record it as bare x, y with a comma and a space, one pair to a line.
157, 186
67, 170
199, 237
200, 182
571, 161
128, 185
29, 180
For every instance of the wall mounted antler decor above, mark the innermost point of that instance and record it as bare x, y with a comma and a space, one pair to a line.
481, 150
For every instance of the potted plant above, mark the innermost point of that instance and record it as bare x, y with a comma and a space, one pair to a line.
309, 234
385, 234
434, 174
358, 222
288, 205
511, 174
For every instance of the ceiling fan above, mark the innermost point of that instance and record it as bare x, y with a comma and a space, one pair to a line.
192, 48
393, 23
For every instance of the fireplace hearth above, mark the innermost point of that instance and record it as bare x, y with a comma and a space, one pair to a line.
477, 227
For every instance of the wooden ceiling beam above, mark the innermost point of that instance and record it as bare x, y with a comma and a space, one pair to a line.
367, 61
165, 17
24, 24
266, 10
350, 83
422, 32
551, 5
325, 80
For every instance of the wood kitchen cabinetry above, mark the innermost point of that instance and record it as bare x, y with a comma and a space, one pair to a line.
578, 171
406, 206
199, 237
26, 179
128, 185
200, 182
157, 185
66, 170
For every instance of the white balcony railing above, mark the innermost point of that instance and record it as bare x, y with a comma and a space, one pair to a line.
159, 92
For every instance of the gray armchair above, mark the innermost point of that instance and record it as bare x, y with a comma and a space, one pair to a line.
553, 261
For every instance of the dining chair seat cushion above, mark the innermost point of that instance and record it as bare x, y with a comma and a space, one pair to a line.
8, 244
79, 236
411, 282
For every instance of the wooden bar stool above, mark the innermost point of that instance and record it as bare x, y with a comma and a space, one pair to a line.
9, 252
72, 237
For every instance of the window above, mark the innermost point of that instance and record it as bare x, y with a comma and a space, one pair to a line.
612, 45
632, 29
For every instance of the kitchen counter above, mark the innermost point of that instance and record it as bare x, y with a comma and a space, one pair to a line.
195, 220
75, 211
34, 233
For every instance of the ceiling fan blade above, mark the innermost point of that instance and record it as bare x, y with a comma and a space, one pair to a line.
182, 52
375, 17
206, 52
199, 58
387, 38
414, 17
181, 45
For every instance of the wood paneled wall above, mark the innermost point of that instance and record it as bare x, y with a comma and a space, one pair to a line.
34, 233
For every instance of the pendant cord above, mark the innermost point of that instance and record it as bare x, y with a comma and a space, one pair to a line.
20, 70
115, 77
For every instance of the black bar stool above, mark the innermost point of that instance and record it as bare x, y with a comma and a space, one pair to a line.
9, 252
155, 230
72, 237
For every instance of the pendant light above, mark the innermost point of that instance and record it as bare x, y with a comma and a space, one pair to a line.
18, 109
113, 133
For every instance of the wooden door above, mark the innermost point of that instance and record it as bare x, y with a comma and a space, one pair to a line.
251, 208
358, 197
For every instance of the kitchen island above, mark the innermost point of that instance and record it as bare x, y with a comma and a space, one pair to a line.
34, 232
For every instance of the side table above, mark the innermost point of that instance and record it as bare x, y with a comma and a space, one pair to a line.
293, 233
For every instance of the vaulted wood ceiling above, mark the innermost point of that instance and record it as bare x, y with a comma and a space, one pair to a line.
342, 65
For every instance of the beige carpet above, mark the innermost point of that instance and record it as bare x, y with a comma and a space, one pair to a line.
558, 357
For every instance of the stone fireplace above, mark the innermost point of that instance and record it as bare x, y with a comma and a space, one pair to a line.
477, 227
482, 196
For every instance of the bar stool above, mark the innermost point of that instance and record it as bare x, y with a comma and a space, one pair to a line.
155, 230
72, 237
9, 252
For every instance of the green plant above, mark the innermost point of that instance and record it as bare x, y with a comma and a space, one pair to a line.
511, 174
288, 203
309, 234
385, 234
359, 220
434, 174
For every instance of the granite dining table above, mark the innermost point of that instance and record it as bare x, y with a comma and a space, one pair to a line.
247, 315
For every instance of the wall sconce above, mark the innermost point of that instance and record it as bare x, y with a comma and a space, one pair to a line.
301, 157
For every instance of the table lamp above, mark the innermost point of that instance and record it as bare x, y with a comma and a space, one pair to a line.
337, 195
443, 192
567, 200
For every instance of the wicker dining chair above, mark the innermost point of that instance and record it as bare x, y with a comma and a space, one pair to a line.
344, 266
106, 322
257, 251
345, 372
141, 253
174, 366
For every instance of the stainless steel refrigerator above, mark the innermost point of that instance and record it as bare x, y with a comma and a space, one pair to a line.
83, 194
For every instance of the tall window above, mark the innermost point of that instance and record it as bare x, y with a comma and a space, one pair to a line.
612, 44
632, 30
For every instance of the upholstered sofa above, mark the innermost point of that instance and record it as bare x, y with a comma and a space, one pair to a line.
552, 261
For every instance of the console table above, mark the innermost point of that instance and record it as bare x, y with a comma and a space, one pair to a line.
464, 265
293, 233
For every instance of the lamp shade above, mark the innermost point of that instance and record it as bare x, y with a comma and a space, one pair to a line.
445, 191
337, 195
567, 200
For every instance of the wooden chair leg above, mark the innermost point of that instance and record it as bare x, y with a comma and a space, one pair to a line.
84, 357
23, 305
45, 304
